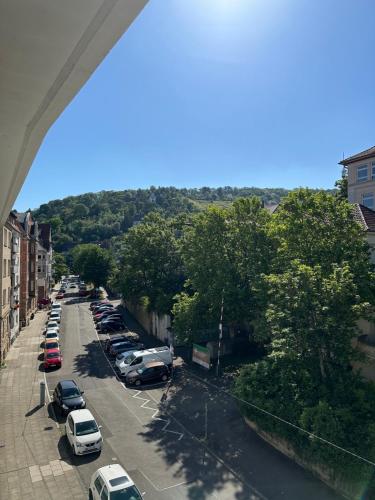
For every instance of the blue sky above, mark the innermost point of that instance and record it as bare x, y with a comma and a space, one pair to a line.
266, 93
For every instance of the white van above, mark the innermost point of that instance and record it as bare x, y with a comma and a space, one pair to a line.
137, 359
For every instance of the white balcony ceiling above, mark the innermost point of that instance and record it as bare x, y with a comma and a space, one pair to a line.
48, 49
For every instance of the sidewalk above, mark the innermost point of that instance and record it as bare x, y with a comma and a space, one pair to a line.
30, 463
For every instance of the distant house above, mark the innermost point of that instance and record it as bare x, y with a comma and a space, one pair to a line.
361, 177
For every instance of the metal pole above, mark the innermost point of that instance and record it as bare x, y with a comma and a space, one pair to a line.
205, 423
220, 335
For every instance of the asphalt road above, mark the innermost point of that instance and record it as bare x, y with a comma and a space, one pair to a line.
162, 456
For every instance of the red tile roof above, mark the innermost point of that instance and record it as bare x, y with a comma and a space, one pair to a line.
365, 216
363, 155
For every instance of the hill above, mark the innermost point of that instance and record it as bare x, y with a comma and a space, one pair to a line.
98, 217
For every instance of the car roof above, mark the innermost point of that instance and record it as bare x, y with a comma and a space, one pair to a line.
153, 350
113, 471
54, 351
65, 384
81, 415
154, 364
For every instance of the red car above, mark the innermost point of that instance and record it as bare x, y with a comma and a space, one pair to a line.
60, 295
52, 358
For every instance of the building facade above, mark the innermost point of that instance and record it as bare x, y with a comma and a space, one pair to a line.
5, 280
44, 261
361, 177
15, 276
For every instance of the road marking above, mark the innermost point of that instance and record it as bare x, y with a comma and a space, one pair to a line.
162, 489
156, 411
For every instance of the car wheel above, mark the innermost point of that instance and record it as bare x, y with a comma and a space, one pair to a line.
164, 378
73, 450
90, 495
137, 382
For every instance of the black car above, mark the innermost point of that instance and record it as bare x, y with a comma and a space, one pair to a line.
108, 314
151, 372
95, 303
101, 309
115, 339
124, 346
111, 326
67, 396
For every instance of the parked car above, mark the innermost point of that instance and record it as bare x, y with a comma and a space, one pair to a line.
55, 316
56, 307
96, 303
150, 372
52, 330
67, 396
111, 326
83, 432
111, 317
115, 339
116, 349
52, 336
52, 359
50, 344
52, 324
113, 482
138, 359
102, 308
103, 314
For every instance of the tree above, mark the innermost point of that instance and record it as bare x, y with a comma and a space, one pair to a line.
150, 265
94, 264
313, 318
59, 266
342, 185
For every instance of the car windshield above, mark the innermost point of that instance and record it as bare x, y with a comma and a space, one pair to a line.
51, 355
88, 427
71, 392
130, 493
129, 359
52, 345
51, 335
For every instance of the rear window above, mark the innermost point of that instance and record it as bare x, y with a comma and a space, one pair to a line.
52, 345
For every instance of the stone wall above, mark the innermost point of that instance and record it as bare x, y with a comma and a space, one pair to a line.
155, 324
325, 475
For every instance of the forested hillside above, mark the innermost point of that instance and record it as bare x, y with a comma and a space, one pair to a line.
98, 217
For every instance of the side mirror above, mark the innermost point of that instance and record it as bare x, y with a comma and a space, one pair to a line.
82, 392
100, 426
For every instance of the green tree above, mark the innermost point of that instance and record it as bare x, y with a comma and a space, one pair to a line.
94, 264
59, 266
150, 265
342, 185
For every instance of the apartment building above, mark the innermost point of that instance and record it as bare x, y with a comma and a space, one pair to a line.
44, 261
5, 281
15, 275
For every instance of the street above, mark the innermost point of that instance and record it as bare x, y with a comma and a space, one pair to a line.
167, 451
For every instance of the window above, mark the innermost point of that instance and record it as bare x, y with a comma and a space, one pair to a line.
104, 495
4, 268
70, 423
373, 170
368, 200
4, 297
98, 484
362, 173
8, 267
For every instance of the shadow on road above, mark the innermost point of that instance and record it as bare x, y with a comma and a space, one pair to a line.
67, 455
92, 363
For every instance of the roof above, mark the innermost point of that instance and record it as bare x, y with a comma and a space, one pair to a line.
115, 471
363, 155
65, 384
82, 415
153, 364
365, 216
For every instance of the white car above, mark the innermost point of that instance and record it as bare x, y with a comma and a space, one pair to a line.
112, 482
120, 358
56, 307
52, 324
137, 359
55, 316
52, 335
83, 432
